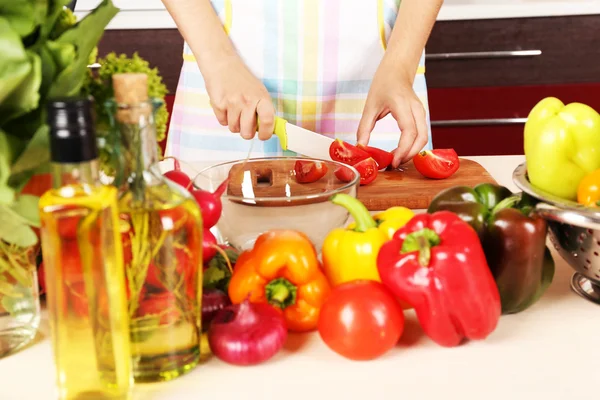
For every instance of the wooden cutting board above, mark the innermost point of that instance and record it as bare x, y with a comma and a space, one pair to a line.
411, 189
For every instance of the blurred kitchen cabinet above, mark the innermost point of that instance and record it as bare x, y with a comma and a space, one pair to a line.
484, 76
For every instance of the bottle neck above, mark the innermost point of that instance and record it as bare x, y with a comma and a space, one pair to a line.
82, 173
138, 143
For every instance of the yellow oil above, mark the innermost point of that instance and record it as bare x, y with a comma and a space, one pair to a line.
86, 299
162, 239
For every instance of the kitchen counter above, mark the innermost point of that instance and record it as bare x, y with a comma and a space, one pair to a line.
544, 352
151, 14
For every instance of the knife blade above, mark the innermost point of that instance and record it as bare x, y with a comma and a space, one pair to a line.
302, 141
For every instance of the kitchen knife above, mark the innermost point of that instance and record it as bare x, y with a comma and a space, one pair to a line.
302, 141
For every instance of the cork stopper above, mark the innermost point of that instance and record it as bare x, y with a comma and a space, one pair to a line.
131, 91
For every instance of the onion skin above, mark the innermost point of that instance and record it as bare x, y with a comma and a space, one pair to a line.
213, 300
247, 333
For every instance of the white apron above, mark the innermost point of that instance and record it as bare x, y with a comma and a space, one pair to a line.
316, 58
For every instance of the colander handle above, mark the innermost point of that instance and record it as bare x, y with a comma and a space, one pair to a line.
570, 217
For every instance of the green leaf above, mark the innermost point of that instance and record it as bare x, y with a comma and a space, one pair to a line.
14, 228
66, 19
23, 15
35, 154
212, 276
49, 70
27, 207
5, 158
84, 36
63, 54
26, 96
7, 195
54, 12
34, 159
15, 65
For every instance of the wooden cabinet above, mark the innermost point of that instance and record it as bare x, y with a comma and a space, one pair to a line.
484, 76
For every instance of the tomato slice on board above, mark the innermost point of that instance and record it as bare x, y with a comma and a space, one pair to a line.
309, 171
383, 158
437, 164
346, 153
368, 170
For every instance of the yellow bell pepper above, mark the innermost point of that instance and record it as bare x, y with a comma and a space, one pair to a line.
351, 253
390, 220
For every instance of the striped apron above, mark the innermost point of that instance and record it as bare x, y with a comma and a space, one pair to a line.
316, 58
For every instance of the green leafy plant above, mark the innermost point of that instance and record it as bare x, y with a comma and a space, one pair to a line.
99, 85
43, 56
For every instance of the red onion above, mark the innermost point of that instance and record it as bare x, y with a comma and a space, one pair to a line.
210, 204
208, 246
247, 333
213, 300
177, 175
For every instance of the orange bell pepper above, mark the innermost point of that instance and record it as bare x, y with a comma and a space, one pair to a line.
283, 270
588, 192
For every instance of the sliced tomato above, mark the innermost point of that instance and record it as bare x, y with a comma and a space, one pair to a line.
309, 171
344, 174
383, 158
368, 170
346, 153
437, 164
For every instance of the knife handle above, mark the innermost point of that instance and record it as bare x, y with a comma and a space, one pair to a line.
279, 131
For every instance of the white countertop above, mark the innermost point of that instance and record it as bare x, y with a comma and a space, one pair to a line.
545, 352
151, 14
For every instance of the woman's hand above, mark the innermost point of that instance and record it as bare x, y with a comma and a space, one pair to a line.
392, 92
237, 97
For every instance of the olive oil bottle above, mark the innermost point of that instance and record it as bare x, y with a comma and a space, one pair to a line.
161, 229
83, 259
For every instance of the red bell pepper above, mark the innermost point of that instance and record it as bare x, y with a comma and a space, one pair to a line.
437, 265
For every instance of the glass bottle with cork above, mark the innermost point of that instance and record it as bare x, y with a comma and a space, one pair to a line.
83, 260
161, 229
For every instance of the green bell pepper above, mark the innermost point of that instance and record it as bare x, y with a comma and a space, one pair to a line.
512, 236
562, 145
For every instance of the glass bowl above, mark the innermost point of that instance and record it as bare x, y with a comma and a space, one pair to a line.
264, 194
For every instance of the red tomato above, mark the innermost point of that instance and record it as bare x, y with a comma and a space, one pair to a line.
344, 174
71, 262
38, 184
77, 299
67, 227
437, 164
346, 153
367, 170
174, 218
309, 171
382, 158
361, 320
153, 277
162, 304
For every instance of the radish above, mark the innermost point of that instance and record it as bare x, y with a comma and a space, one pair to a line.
210, 204
177, 175
209, 244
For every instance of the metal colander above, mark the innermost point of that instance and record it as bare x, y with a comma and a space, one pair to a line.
574, 231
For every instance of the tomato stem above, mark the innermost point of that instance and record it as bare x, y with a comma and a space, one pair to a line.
281, 293
422, 241
362, 218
